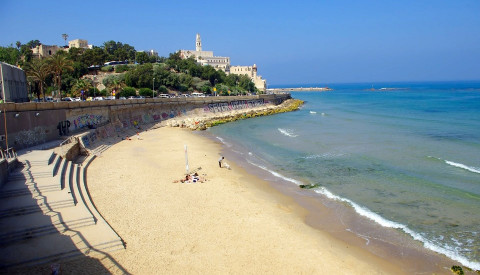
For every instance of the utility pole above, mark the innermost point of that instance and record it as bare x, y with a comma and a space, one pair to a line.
4, 106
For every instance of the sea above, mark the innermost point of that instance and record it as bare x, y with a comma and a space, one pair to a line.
403, 156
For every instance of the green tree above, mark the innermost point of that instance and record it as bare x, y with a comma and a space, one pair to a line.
146, 92
81, 85
26, 53
38, 71
162, 90
116, 86
142, 57
58, 64
9, 55
128, 91
33, 43
119, 51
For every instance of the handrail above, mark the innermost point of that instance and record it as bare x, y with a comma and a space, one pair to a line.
67, 141
8, 153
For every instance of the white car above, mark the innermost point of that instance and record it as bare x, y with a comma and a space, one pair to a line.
163, 96
110, 98
98, 98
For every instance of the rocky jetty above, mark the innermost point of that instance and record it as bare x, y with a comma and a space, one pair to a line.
213, 119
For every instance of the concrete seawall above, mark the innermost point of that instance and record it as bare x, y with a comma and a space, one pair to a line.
30, 124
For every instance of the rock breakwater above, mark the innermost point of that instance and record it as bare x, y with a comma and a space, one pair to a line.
204, 122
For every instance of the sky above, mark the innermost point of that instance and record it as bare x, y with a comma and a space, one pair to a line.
292, 42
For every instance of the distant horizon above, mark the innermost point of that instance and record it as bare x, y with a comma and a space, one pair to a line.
321, 84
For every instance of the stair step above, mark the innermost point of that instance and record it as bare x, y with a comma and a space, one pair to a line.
33, 208
41, 230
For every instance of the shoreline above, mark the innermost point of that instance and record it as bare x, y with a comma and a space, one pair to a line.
343, 223
234, 222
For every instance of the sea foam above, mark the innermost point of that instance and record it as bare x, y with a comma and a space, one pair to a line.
450, 252
459, 165
287, 132
463, 166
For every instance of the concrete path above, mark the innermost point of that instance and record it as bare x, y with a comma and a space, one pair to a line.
41, 222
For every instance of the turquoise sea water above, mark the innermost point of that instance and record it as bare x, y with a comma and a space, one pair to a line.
407, 159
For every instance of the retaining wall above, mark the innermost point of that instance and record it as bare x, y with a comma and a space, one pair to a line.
29, 124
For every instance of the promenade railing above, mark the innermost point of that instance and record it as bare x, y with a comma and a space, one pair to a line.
7, 154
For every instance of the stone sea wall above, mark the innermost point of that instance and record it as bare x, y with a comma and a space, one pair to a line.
30, 124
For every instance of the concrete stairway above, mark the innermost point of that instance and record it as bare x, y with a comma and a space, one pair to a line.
46, 214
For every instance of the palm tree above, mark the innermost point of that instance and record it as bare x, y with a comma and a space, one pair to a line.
59, 63
38, 71
65, 37
116, 86
81, 85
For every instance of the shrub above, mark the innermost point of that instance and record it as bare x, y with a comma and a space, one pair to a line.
121, 68
127, 91
145, 92
182, 88
107, 69
162, 90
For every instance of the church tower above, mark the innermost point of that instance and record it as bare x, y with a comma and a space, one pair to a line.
198, 44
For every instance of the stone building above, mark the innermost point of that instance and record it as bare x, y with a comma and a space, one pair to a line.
42, 51
206, 57
223, 63
79, 43
250, 71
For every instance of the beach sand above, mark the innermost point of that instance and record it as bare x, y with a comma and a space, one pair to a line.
232, 223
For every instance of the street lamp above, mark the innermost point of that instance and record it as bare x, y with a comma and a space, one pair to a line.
153, 88
94, 94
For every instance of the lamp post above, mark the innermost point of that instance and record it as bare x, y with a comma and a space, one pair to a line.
94, 94
153, 88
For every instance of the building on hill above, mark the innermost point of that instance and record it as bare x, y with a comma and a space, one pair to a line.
223, 63
206, 57
42, 51
13, 84
250, 71
152, 53
79, 43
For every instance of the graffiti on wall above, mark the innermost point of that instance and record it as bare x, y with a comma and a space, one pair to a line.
63, 127
233, 105
31, 137
86, 120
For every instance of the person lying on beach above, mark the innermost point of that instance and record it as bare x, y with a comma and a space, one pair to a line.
191, 178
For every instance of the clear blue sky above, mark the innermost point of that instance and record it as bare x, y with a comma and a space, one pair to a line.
292, 42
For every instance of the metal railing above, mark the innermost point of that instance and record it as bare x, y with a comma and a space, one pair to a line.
8, 153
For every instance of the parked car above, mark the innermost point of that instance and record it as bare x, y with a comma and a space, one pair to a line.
198, 95
67, 99
49, 99
122, 97
98, 98
110, 97
89, 98
77, 99
163, 96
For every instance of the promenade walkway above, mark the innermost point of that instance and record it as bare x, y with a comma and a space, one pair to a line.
47, 216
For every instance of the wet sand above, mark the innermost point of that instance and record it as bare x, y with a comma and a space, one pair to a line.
232, 223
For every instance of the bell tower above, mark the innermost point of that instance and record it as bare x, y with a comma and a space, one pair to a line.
198, 44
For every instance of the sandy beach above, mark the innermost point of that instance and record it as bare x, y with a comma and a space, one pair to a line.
231, 223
